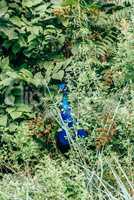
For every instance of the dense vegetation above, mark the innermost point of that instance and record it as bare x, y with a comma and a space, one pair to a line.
90, 46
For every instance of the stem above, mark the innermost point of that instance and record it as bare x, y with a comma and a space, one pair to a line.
79, 11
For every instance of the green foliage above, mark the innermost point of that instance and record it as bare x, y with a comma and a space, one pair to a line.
89, 45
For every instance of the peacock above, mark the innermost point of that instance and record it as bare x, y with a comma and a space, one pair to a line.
62, 140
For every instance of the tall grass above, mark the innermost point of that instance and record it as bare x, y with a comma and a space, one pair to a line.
85, 175
69, 181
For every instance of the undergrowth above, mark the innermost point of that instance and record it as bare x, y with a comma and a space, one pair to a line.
89, 46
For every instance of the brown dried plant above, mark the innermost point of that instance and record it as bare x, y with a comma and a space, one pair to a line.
107, 132
108, 76
61, 11
38, 127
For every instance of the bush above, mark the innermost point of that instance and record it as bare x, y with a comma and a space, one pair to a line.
89, 46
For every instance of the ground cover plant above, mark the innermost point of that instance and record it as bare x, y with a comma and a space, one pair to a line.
89, 45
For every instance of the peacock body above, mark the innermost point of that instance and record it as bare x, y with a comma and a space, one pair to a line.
62, 140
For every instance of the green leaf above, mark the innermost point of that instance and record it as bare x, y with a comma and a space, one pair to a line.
4, 64
9, 100
17, 21
19, 110
8, 78
30, 3
12, 74
31, 37
3, 120
65, 22
6, 82
61, 40
59, 75
15, 48
38, 79
6, 44
12, 127
41, 10
35, 30
10, 33
22, 42
24, 108
70, 2
26, 75
3, 7
14, 113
